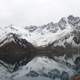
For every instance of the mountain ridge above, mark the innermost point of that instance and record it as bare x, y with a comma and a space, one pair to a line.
46, 34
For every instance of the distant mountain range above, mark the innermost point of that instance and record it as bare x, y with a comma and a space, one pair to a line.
67, 28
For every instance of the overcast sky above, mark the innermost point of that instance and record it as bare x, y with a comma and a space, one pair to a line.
36, 12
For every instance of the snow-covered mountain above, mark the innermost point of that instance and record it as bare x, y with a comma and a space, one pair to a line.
45, 34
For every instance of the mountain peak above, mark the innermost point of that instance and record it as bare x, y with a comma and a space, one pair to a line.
74, 21
62, 23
